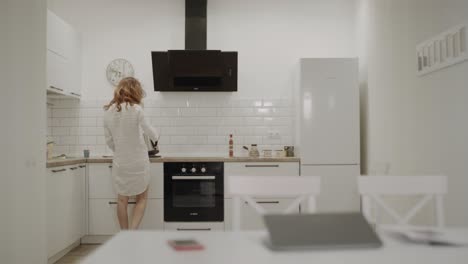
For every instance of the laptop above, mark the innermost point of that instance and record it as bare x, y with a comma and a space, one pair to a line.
320, 231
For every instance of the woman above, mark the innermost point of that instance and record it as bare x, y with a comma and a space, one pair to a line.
124, 125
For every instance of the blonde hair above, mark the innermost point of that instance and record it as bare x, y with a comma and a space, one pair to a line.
128, 91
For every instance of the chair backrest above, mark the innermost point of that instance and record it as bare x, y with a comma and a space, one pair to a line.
371, 188
247, 187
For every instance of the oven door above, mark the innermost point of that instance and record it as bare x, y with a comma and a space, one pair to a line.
193, 198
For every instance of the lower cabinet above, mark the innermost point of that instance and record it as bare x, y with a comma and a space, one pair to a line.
65, 207
103, 216
251, 219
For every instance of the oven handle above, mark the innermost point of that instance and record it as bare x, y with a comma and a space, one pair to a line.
193, 177
193, 229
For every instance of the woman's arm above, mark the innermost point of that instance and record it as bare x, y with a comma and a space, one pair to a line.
147, 128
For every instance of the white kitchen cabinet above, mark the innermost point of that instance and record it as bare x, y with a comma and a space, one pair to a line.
101, 185
57, 35
102, 203
63, 58
258, 169
261, 168
103, 216
100, 181
56, 72
251, 219
65, 207
194, 226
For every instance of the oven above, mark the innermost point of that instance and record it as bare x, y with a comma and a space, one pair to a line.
194, 191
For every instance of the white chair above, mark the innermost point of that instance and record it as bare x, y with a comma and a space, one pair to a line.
371, 188
246, 187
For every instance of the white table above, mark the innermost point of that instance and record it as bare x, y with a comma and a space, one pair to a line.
246, 247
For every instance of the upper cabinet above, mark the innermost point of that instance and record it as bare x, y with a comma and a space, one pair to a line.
63, 58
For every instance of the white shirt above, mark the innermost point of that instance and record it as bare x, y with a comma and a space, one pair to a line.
124, 136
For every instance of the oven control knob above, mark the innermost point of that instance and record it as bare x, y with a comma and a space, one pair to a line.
183, 170
194, 170
203, 169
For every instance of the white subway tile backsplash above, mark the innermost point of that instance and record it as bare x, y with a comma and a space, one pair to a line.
87, 140
271, 141
179, 131
253, 140
169, 112
69, 122
207, 112
245, 131
100, 140
217, 140
261, 131
207, 130
88, 121
187, 123
287, 140
60, 131
277, 121
152, 112
231, 121
253, 121
235, 112
226, 131
162, 121
66, 140
91, 112
177, 140
59, 150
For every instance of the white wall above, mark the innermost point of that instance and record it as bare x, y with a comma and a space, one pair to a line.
417, 125
23, 114
270, 37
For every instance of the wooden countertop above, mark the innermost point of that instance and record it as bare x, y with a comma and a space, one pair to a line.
73, 161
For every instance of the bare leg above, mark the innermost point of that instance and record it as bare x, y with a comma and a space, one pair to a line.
139, 209
122, 211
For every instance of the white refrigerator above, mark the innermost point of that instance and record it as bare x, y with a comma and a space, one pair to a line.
327, 139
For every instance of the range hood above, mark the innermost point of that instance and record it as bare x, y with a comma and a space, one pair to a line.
195, 68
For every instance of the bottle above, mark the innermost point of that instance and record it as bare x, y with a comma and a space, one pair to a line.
231, 146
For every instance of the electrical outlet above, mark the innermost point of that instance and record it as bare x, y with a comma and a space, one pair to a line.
274, 134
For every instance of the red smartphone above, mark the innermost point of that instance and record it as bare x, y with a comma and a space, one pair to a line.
188, 244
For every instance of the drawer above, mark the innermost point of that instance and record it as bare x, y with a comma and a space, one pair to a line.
101, 184
103, 216
258, 169
261, 169
193, 226
250, 219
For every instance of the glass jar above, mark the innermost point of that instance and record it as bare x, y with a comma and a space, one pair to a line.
254, 151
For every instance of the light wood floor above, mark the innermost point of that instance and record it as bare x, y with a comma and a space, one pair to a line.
77, 254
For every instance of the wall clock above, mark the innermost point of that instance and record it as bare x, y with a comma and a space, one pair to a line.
119, 69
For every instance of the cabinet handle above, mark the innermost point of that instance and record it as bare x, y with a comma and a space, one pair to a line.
54, 171
265, 202
56, 88
193, 229
110, 166
79, 95
262, 166
82, 166
74, 168
111, 203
